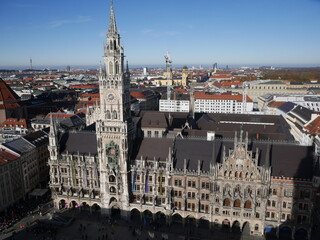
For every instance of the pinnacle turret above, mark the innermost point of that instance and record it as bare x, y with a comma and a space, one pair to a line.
113, 26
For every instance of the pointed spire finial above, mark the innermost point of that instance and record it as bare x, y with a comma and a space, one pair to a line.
112, 26
127, 66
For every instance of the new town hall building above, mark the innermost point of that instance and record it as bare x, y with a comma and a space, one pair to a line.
146, 167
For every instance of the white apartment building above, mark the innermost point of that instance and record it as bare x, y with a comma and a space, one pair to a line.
177, 105
223, 103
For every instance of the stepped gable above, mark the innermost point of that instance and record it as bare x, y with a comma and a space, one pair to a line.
8, 98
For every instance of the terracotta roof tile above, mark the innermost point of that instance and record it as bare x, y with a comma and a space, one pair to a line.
8, 98
314, 126
6, 156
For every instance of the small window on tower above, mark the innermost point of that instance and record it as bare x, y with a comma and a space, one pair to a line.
110, 68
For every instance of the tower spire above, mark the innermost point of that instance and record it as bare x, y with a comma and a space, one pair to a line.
113, 25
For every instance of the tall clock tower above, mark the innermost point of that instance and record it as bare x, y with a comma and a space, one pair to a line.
115, 129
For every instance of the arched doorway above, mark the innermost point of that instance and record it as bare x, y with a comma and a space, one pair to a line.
115, 212
301, 234
270, 232
236, 228
73, 205
204, 223
225, 225
246, 231
177, 223
161, 219
285, 233
96, 208
191, 224
85, 207
135, 217
147, 218
62, 204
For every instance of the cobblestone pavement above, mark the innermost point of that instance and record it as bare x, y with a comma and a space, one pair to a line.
94, 227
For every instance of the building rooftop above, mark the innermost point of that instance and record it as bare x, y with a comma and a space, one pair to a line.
8, 98
260, 127
20, 146
79, 142
6, 156
274, 155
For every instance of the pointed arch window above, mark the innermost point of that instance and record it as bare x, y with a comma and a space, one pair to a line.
110, 68
108, 114
226, 202
247, 204
114, 114
117, 67
237, 203
115, 44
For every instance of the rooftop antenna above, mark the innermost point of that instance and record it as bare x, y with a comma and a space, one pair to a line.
168, 69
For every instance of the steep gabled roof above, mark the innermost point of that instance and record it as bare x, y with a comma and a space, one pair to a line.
314, 126
153, 120
8, 98
82, 142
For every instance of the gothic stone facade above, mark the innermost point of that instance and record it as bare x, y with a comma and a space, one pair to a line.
260, 186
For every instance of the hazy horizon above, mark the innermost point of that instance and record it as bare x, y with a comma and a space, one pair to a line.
234, 33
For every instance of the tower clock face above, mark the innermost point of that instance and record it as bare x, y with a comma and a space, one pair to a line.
111, 97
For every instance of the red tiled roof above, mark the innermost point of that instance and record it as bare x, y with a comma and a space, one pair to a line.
137, 94
229, 84
14, 122
6, 156
275, 104
84, 86
221, 76
82, 111
314, 126
141, 94
200, 95
97, 95
8, 98
180, 90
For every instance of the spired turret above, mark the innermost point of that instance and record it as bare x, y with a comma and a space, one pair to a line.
115, 129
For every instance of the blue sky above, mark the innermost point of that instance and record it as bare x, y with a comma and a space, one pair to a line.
230, 32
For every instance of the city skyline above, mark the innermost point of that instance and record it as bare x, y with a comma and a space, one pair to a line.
230, 32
